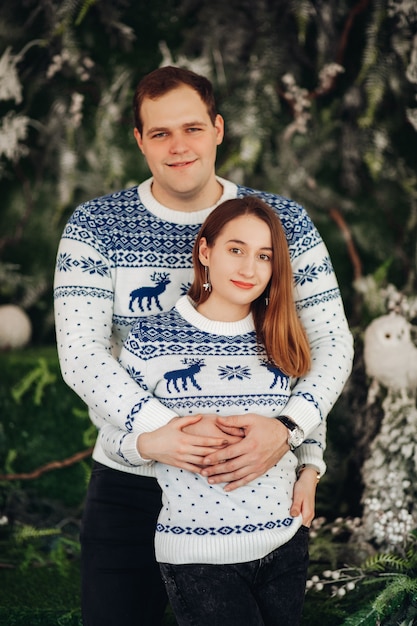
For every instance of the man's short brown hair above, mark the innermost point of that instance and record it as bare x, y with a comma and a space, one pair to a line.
165, 79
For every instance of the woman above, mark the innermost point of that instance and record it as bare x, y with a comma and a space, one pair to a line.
231, 346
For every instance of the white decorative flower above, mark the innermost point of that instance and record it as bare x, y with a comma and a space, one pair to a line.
10, 86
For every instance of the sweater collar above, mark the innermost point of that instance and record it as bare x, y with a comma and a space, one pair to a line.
187, 310
181, 217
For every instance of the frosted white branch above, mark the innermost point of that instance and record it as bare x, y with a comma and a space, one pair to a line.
13, 131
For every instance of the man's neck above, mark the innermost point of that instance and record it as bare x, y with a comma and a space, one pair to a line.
189, 202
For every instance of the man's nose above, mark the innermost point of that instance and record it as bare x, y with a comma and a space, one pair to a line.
178, 143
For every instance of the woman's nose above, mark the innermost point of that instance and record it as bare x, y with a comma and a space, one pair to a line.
248, 266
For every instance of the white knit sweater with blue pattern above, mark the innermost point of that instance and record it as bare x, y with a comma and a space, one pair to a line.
124, 256
191, 363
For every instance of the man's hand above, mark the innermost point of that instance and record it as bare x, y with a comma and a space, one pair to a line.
304, 495
264, 444
184, 442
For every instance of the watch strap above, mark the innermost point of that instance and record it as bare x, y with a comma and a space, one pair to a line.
287, 421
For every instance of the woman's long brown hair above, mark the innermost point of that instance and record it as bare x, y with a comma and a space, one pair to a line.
278, 327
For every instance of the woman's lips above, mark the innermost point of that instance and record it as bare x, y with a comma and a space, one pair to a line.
238, 283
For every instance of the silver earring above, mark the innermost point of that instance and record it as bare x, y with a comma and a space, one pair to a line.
266, 301
207, 284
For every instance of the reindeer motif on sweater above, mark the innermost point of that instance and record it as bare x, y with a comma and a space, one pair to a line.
183, 375
150, 294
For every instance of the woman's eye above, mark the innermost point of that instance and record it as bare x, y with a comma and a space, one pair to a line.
265, 257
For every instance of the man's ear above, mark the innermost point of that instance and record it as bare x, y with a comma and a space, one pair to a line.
219, 126
138, 138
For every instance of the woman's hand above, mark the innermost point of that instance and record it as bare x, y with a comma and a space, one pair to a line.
304, 495
184, 442
208, 426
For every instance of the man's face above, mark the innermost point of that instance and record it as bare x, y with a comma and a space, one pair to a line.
179, 142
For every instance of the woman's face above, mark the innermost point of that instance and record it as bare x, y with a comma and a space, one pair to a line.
240, 267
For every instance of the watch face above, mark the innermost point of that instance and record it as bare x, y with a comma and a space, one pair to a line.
295, 433
296, 437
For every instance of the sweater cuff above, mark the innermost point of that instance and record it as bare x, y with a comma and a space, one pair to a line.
310, 454
303, 413
152, 415
130, 452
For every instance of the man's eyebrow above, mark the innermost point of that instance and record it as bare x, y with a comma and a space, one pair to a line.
195, 123
164, 129
156, 129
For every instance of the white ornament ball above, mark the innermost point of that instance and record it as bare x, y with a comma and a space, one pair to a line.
15, 327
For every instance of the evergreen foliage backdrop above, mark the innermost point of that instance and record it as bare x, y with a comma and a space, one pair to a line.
320, 104
319, 100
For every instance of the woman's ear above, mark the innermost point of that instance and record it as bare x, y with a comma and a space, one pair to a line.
203, 251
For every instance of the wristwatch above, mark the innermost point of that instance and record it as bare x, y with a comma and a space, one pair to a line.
295, 433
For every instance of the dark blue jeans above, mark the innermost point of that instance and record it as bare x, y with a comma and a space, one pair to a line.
265, 592
121, 582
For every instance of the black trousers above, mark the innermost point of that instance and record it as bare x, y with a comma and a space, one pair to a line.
266, 592
121, 583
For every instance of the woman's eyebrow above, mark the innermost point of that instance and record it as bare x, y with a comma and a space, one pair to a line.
239, 241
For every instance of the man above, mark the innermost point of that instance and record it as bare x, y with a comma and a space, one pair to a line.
129, 254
